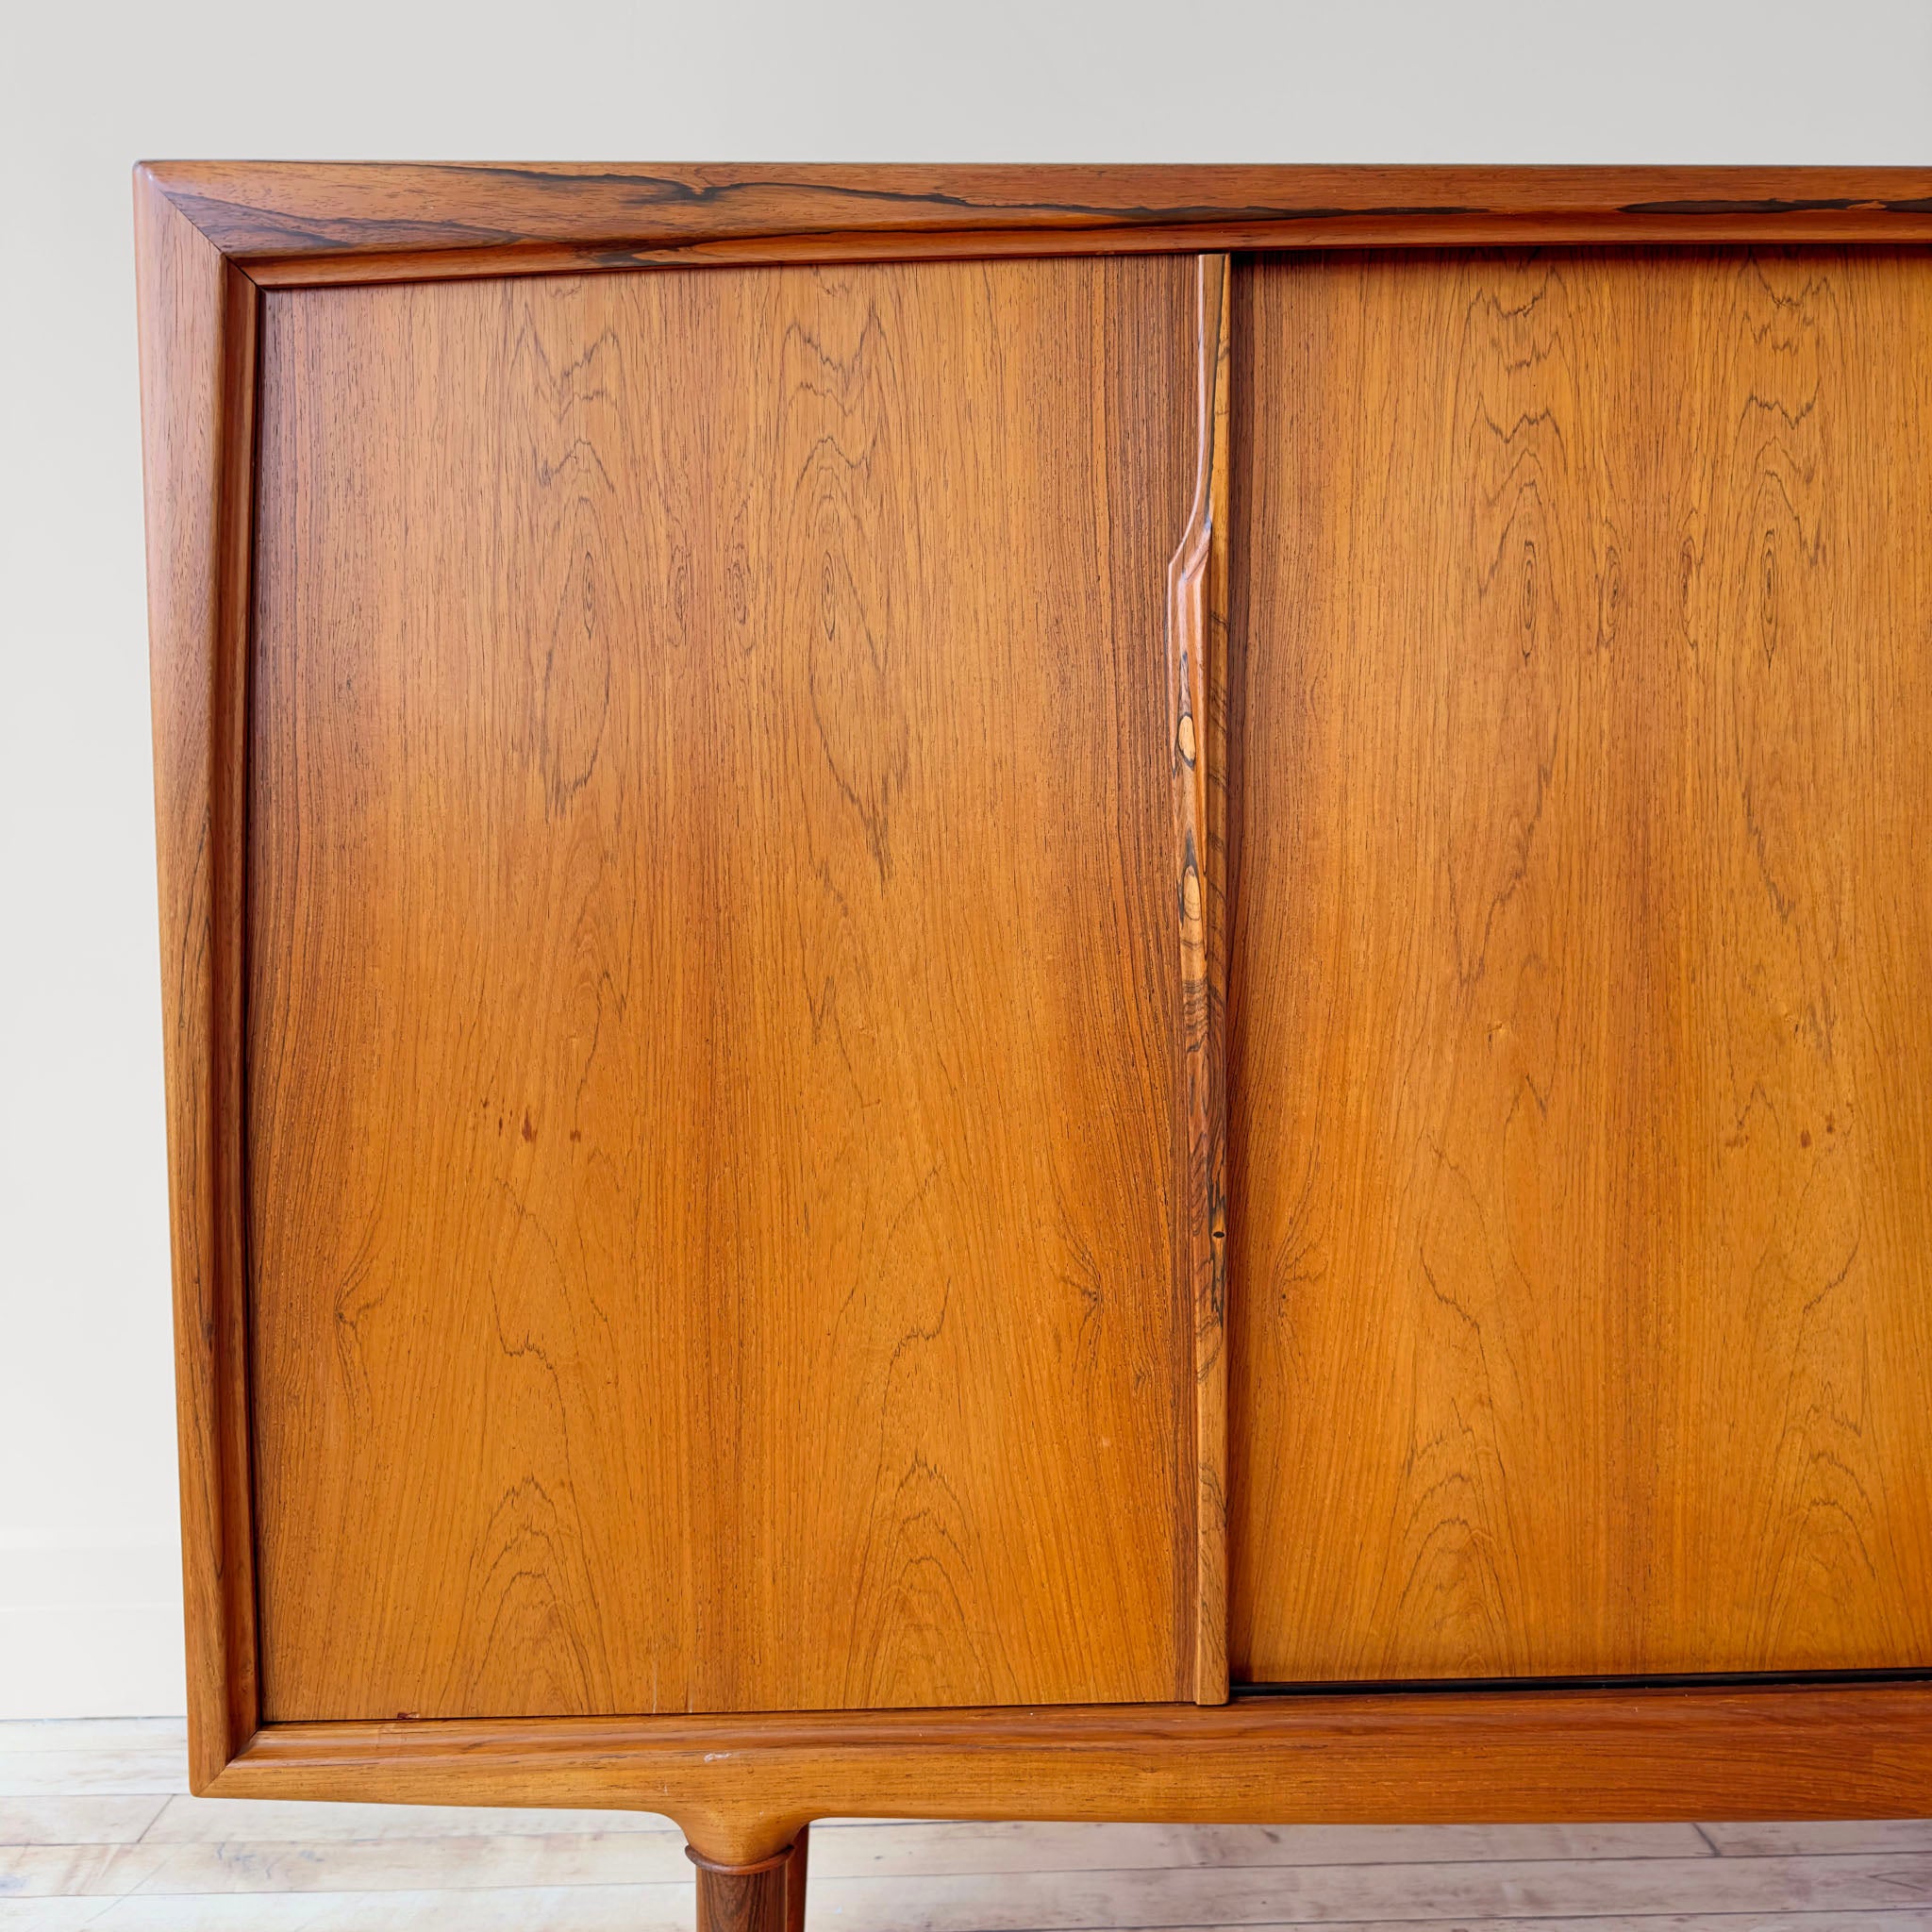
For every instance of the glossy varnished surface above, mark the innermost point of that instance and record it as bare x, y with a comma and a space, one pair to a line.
1648, 1753
768, 1896
740, 1787
197, 376
1196, 670
713, 993
305, 221
1581, 1040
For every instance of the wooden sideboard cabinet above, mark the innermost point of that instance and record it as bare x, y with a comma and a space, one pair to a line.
1094, 993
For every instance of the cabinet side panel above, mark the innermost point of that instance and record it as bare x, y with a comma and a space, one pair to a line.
198, 382
714, 991
1581, 976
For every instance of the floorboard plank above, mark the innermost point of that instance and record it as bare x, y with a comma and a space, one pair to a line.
136, 1773
1911, 1920
1825, 1839
244, 1821
564, 1908
49, 1914
873, 1850
93, 1734
61, 1819
665, 1909
450, 1864
74, 1871
576, 1879
1452, 1894
391, 1863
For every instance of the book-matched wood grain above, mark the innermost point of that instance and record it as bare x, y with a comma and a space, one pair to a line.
1553, 464
297, 222
1581, 1040
197, 376
739, 1786
1197, 658
713, 993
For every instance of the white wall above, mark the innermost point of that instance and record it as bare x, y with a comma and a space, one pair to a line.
87, 1556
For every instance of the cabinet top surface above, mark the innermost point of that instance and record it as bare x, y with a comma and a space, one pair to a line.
294, 219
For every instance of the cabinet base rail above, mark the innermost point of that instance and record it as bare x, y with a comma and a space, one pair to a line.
743, 1786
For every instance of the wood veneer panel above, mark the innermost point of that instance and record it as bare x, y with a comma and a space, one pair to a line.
714, 987
1581, 984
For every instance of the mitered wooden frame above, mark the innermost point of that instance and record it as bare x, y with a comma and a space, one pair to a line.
209, 237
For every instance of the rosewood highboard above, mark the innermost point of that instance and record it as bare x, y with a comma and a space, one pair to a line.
1048, 992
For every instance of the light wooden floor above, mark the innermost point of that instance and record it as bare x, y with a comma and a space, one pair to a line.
96, 1830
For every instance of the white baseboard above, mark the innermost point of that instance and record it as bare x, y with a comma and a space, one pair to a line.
89, 1629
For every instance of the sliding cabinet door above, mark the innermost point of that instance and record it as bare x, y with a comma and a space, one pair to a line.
1581, 969
714, 992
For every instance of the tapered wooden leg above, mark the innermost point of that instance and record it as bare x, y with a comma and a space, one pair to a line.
794, 1881
751, 1898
